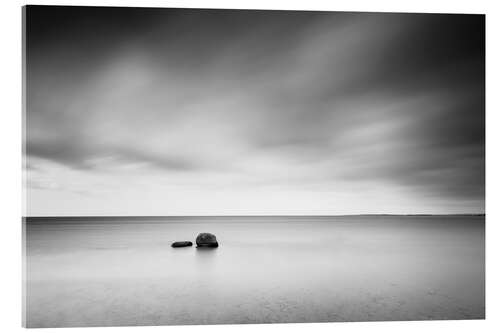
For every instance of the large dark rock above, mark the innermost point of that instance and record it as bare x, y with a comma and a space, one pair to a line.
206, 239
182, 244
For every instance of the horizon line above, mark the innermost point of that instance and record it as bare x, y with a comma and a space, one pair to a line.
256, 215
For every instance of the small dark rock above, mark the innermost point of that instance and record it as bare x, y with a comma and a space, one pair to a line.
206, 239
182, 244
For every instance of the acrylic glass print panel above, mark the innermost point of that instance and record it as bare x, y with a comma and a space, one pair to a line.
313, 166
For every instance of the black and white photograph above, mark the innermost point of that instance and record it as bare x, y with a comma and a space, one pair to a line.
190, 166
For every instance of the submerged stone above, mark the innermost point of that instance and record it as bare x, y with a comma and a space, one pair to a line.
182, 244
206, 239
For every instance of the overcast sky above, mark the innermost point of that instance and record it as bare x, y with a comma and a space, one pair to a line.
222, 112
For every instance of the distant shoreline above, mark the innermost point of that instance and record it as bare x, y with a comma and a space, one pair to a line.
188, 217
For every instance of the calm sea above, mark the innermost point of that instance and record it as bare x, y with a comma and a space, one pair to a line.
122, 271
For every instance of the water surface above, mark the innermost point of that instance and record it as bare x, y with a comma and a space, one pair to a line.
122, 271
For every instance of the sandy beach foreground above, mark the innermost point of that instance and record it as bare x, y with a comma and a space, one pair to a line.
123, 271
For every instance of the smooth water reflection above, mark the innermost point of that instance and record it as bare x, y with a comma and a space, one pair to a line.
98, 273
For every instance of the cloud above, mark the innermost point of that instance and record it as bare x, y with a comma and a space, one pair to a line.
297, 102
80, 156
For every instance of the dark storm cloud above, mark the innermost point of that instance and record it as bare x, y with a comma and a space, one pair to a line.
303, 97
78, 155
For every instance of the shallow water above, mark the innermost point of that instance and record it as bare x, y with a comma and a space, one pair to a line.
122, 271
